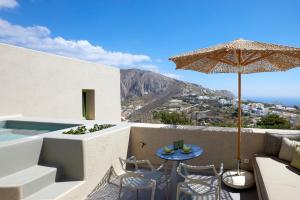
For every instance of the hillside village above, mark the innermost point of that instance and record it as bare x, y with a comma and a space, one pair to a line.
145, 93
217, 110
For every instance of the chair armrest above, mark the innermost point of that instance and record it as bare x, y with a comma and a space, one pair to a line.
132, 158
197, 168
160, 167
179, 171
221, 170
145, 162
133, 174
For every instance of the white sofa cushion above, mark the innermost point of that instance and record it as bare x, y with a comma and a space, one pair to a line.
276, 179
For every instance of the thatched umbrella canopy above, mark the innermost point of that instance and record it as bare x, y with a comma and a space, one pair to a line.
241, 57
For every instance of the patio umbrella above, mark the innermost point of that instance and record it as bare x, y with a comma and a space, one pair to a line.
241, 57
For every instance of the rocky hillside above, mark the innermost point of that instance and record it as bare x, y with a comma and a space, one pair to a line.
138, 83
150, 85
144, 91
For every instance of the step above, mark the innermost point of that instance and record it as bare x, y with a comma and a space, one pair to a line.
59, 169
26, 182
20, 155
54, 191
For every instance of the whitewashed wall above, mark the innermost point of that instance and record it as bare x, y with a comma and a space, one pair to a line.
37, 84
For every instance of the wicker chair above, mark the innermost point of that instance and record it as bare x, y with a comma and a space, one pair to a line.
200, 181
139, 178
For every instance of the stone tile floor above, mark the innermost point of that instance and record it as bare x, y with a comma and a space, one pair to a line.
109, 191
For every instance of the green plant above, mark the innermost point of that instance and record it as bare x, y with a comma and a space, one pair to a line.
98, 127
172, 118
235, 113
79, 131
83, 130
273, 121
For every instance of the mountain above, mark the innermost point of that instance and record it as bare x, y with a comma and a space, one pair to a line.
138, 83
141, 83
150, 90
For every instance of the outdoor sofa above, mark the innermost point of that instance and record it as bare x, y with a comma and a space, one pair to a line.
275, 178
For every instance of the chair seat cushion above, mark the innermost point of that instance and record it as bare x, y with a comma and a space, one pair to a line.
276, 179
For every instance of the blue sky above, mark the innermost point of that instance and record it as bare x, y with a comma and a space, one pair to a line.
144, 34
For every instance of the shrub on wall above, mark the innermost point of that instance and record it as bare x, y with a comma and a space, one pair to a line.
83, 130
273, 121
172, 118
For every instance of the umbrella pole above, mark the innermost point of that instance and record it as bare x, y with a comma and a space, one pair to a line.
239, 122
238, 179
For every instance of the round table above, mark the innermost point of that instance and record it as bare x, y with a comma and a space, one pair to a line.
178, 157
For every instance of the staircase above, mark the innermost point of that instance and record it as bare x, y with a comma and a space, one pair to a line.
22, 178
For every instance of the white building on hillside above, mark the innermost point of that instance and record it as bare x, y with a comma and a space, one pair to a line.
225, 102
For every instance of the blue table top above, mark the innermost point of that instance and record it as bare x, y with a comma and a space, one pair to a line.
178, 155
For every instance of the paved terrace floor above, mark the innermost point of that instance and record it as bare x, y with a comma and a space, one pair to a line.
109, 191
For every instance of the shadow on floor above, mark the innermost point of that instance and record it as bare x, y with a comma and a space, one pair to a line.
109, 191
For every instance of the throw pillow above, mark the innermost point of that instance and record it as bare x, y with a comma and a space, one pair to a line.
273, 141
287, 149
296, 158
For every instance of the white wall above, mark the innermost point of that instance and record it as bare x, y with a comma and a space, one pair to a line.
38, 84
87, 158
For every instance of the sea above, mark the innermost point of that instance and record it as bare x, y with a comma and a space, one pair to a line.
285, 101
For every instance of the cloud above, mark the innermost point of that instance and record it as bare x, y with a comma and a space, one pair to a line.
149, 67
175, 76
8, 3
39, 38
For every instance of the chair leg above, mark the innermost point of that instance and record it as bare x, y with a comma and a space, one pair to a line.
167, 180
219, 189
167, 190
178, 191
153, 190
120, 190
109, 175
137, 194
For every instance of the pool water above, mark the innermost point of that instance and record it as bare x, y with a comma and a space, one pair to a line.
6, 134
12, 130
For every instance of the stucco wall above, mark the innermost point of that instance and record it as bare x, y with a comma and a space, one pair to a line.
219, 144
19, 155
37, 84
87, 157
